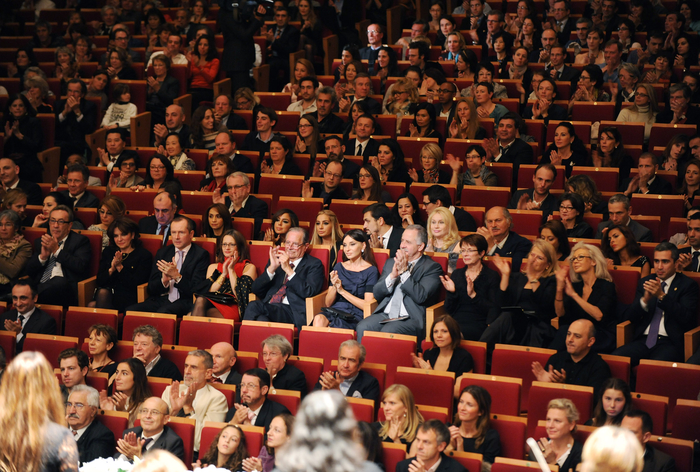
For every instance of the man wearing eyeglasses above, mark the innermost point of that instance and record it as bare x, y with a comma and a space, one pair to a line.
152, 434
583, 26
291, 276
307, 97
445, 106
121, 38
239, 201
94, 439
329, 189
375, 35
61, 259
560, 21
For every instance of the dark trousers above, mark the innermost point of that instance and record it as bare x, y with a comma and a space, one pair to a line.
161, 304
279, 73
239, 79
258, 310
664, 350
57, 291
695, 358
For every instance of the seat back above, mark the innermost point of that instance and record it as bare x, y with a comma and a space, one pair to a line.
253, 333
607, 179
686, 418
516, 361
49, 345
164, 323
429, 387
349, 212
280, 185
177, 354
79, 319
542, 392
97, 380
514, 465
310, 366
115, 421
291, 399
656, 406
625, 280
245, 361
486, 197
185, 428
323, 342
158, 385
619, 366
526, 222
679, 449
8, 341
391, 349
505, 391
363, 408
55, 312
392, 454
229, 392
203, 332
513, 433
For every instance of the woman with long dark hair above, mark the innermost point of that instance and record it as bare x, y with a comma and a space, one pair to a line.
472, 430
282, 220
621, 248
567, 149
216, 221
203, 70
23, 137
370, 187
278, 434
424, 122
227, 451
386, 65
204, 128
614, 400
390, 163
159, 171
611, 152
407, 210
554, 232
130, 389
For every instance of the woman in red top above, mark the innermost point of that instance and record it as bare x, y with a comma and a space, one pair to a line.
203, 69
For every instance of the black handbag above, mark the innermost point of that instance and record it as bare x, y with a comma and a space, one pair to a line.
344, 315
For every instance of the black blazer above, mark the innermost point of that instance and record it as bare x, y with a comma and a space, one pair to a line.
679, 305
332, 124
641, 233
74, 259
447, 464
369, 54
374, 106
472, 313
149, 225
88, 200
364, 386
234, 121
394, 240
574, 458
465, 221
193, 271
519, 152
290, 378
30, 127
168, 441
568, 74
238, 53
33, 191
254, 208
268, 411
124, 283
287, 43
659, 186
97, 441
307, 282
166, 369
657, 461
72, 130
163, 98
517, 248
38, 323
371, 148
234, 378
548, 206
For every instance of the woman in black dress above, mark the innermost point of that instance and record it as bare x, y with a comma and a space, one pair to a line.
430, 158
390, 163
446, 355
571, 210
472, 430
620, 247
560, 447
23, 137
567, 149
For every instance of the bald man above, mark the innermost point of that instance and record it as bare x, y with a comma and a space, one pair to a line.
164, 211
224, 359
152, 434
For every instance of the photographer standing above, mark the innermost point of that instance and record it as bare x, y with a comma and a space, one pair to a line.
238, 28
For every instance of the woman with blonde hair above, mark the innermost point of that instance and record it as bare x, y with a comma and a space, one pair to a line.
532, 291
245, 99
560, 447
612, 449
327, 231
33, 419
466, 123
443, 236
430, 157
454, 43
402, 98
401, 414
644, 109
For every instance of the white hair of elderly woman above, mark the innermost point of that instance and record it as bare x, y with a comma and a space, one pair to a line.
612, 449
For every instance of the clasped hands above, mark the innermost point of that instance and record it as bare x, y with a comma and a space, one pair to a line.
130, 445
169, 270
400, 264
279, 258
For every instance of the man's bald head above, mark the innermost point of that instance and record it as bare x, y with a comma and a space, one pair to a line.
165, 208
224, 356
154, 414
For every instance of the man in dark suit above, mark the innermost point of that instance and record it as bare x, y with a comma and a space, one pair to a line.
76, 117
410, 283
445, 106
557, 70
226, 146
148, 343
679, 110
379, 226
74, 365
561, 22
152, 434
375, 36
640, 424
61, 259
363, 87
328, 122
500, 238
77, 180
432, 438
619, 210
94, 439
255, 386
174, 123
495, 21
291, 276
349, 378
223, 112
438, 196
664, 309
330, 188
646, 181
363, 144
538, 198
418, 54
689, 256
9, 178
549, 40
178, 272
25, 317
282, 40
239, 201
508, 148
224, 356
114, 150
335, 150
165, 210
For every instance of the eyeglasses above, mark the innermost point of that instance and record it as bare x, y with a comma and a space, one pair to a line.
235, 187
468, 251
128, 164
249, 386
565, 208
398, 92
157, 167
372, 32
335, 176
304, 126
579, 258
232, 245
53, 221
445, 91
78, 406
365, 176
292, 246
146, 412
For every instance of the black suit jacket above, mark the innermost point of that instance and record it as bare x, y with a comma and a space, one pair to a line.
307, 282
97, 441
149, 225
568, 74
290, 378
564, 36
371, 149
166, 369
74, 259
332, 124
33, 191
254, 208
72, 130
287, 43
657, 461
447, 464
394, 240
450, 116
364, 386
519, 152
242, 163
659, 186
234, 121
234, 378
238, 53
548, 206
193, 271
268, 411
517, 248
88, 200
38, 323
168, 441
369, 54
465, 221
641, 233
374, 106
680, 308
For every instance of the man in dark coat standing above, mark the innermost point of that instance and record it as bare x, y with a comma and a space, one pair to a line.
238, 28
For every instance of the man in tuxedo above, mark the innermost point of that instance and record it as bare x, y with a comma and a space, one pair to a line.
335, 150
195, 398
226, 146
174, 123
432, 438
646, 181
363, 87
282, 40
330, 188
378, 223
375, 35
224, 356
410, 283
76, 117
25, 317
538, 197
640, 424
77, 180
148, 343
114, 149
178, 272
508, 148
152, 434
74, 365
94, 439
240, 203
438, 196
664, 308
500, 239
556, 68
255, 409
689, 256
349, 378
61, 259
326, 101
165, 210
223, 112
291, 276
9, 178
363, 144
619, 210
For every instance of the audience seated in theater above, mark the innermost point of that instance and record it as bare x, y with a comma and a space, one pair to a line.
119, 64
644, 110
114, 150
571, 211
545, 108
229, 280
401, 417
240, 202
363, 144
483, 96
255, 408
647, 181
111, 208
281, 161
327, 232
51, 201
471, 430
390, 163
330, 188
276, 350
218, 169
74, 367
557, 70
688, 256
507, 147
502, 55
619, 209
677, 154
476, 172
499, 237
383, 231
370, 186
33, 320
527, 299
345, 86
122, 267
119, 114
173, 151
584, 186
613, 401
538, 198
690, 187
16, 200
548, 41
401, 98
527, 33
326, 102
129, 389
641, 425
407, 210
216, 221
148, 343
595, 54
94, 439
159, 172
446, 354
75, 119
306, 95
224, 358
96, 88
349, 378
308, 139
357, 109
124, 173
409, 284
431, 157
443, 236
195, 398
23, 138
165, 209
567, 149
662, 72
438, 196
174, 123
227, 450
679, 111
9, 180
77, 180
101, 347
15, 251
203, 69
335, 150
664, 309
302, 68
226, 147
432, 437
626, 92
466, 65
282, 220
560, 448
290, 277
447, 25
620, 247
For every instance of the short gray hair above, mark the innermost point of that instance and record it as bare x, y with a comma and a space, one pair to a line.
632, 70
12, 217
354, 344
299, 229
328, 91
93, 396
37, 82
280, 342
421, 232
246, 179
208, 359
620, 198
148, 330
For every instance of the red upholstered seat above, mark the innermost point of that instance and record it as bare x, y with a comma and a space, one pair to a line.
203, 332
504, 391
164, 323
392, 454
516, 361
176, 354
115, 421
686, 418
79, 319
619, 366
512, 431
394, 350
429, 387
625, 280
229, 392
310, 366
349, 211
280, 185
306, 209
679, 449
158, 385
323, 343
486, 197
656, 406
291, 399
8, 341
542, 392
49, 345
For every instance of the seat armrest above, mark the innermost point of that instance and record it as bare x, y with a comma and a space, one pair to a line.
86, 290
314, 305
142, 292
370, 304
624, 333
691, 342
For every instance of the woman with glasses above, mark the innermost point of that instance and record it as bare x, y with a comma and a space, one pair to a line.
430, 157
112, 208
308, 137
160, 171
476, 173
644, 109
471, 290
590, 87
245, 99
229, 280
437, 9
370, 186
15, 251
127, 176
401, 98
586, 291
567, 149
571, 210
514, 22
620, 247
625, 34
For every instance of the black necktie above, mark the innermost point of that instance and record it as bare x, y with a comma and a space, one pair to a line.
147, 441
694, 265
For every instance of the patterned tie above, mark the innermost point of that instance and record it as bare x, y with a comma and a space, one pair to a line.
49, 267
174, 292
147, 441
653, 335
75, 433
282, 292
397, 299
